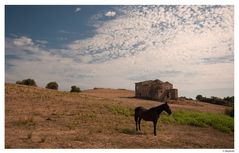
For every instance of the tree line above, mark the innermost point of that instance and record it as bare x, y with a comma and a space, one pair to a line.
51, 85
226, 101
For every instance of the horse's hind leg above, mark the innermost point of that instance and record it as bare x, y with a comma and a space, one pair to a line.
136, 124
136, 121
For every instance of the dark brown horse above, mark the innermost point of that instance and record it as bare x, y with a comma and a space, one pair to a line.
151, 114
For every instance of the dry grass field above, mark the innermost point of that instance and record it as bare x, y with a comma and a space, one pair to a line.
100, 118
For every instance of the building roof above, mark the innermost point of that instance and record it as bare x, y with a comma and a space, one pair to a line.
152, 82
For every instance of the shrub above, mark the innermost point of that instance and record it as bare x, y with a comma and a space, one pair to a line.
127, 131
75, 89
28, 82
25, 122
230, 111
52, 85
19, 82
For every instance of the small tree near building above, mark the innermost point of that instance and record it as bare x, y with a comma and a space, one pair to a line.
199, 97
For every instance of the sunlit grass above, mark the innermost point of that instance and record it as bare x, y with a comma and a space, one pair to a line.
221, 122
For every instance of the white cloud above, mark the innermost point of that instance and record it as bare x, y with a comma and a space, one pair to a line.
23, 41
21, 45
77, 9
136, 31
110, 13
42, 41
144, 42
62, 38
85, 59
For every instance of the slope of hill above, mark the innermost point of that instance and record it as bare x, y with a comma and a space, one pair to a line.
101, 118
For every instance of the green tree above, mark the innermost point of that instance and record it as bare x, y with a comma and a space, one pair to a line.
52, 85
75, 89
199, 97
28, 82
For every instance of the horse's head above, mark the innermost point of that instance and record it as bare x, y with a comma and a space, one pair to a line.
167, 108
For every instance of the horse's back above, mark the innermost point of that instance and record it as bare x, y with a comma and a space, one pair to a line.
140, 108
146, 114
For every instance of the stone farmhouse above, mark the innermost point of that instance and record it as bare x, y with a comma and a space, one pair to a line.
156, 90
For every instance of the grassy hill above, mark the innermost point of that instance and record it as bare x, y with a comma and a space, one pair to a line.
103, 118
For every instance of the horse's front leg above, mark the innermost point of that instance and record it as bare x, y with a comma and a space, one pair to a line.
139, 123
136, 124
155, 124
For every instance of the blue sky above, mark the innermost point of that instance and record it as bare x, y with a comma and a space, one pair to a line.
116, 46
56, 24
